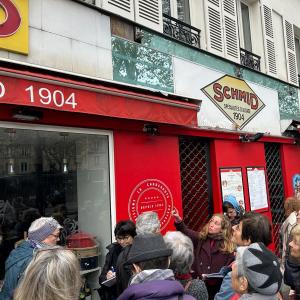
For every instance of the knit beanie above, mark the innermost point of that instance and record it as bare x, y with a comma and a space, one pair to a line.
260, 267
146, 247
46, 229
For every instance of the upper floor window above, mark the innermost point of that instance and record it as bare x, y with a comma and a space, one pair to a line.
245, 30
179, 9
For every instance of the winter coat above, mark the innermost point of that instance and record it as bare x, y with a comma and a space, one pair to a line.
195, 288
208, 259
156, 289
15, 266
226, 290
123, 271
108, 293
285, 232
292, 277
256, 296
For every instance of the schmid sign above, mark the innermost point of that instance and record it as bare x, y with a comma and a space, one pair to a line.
14, 25
234, 97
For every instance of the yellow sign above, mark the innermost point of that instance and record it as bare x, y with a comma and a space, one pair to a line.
235, 98
14, 25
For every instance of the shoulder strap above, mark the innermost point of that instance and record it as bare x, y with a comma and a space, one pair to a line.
187, 285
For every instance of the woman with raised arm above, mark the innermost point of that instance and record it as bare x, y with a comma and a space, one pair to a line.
213, 248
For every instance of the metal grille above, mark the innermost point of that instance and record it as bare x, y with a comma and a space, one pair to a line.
276, 192
194, 169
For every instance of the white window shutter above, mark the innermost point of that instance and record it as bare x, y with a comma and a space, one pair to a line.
290, 52
149, 14
268, 32
231, 35
213, 17
124, 8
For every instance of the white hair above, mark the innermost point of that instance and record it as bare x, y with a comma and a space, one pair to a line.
183, 251
52, 274
147, 222
40, 222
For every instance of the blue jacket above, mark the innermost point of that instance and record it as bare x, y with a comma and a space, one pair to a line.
15, 266
226, 291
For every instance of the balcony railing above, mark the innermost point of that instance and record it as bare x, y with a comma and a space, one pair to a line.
181, 31
250, 60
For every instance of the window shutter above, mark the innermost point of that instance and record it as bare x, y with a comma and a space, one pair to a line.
290, 52
231, 36
149, 13
213, 16
123, 8
268, 32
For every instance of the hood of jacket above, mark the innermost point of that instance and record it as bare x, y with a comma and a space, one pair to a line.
156, 289
22, 252
232, 200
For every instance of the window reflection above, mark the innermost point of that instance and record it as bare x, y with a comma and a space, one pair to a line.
39, 184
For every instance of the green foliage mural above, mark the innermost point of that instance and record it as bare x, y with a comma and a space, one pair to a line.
140, 65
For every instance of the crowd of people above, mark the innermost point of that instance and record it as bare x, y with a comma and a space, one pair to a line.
227, 259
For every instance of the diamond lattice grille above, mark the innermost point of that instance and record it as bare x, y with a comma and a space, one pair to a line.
194, 167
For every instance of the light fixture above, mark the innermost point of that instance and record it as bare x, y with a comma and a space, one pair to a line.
246, 138
10, 167
64, 160
26, 114
151, 129
10, 151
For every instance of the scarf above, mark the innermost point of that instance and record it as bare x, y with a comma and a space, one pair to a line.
150, 275
215, 236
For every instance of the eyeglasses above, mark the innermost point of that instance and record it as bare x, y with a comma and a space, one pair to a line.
124, 238
55, 235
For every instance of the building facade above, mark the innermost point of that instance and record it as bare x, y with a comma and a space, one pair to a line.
109, 108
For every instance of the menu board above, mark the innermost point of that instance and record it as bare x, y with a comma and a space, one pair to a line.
232, 184
257, 188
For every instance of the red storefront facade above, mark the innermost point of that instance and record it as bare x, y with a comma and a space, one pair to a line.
146, 167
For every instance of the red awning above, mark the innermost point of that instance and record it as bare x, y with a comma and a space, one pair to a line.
53, 92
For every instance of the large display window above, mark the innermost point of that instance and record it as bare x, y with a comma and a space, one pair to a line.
59, 172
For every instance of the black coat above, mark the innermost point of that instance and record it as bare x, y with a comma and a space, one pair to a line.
292, 277
109, 293
123, 270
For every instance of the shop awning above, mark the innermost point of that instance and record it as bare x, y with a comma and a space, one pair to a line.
80, 95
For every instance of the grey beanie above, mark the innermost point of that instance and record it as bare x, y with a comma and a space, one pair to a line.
146, 247
261, 268
46, 229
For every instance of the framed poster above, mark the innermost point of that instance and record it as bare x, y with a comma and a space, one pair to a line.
232, 184
257, 188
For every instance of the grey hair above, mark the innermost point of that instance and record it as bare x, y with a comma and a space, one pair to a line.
53, 273
40, 222
183, 251
147, 222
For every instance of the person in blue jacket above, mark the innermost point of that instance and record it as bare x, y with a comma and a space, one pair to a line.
42, 232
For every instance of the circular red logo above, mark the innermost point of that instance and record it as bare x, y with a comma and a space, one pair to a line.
151, 195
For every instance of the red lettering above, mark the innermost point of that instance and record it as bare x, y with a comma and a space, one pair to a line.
242, 95
218, 92
12, 18
226, 89
234, 93
254, 101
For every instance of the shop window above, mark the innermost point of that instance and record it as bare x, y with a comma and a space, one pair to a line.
59, 178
